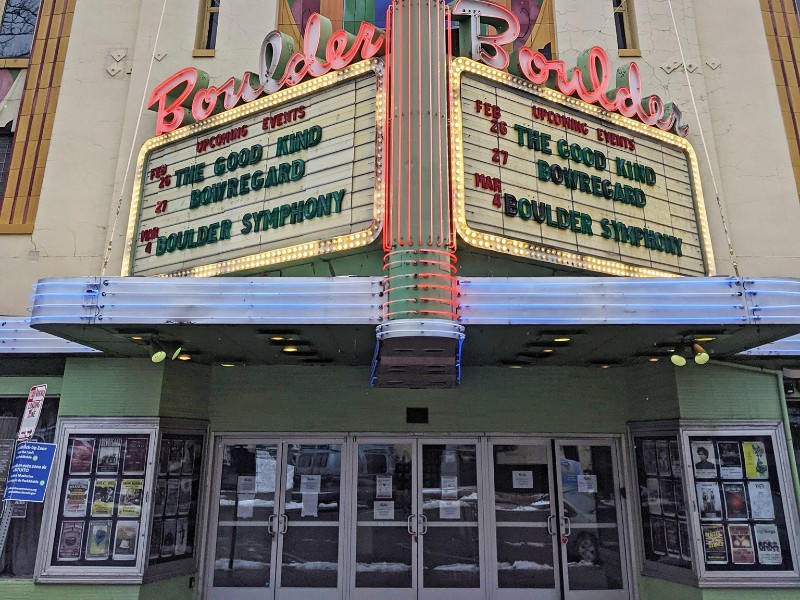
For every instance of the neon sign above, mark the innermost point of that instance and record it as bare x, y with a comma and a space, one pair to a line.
324, 50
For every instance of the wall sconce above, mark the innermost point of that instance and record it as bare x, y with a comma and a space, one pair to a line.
159, 351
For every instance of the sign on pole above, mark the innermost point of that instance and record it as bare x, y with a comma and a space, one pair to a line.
32, 411
30, 471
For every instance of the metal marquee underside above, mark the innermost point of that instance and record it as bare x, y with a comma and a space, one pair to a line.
508, 321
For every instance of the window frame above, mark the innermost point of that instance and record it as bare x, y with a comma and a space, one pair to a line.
626, 14
207, 12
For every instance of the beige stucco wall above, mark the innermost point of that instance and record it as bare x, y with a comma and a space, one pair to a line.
97, 122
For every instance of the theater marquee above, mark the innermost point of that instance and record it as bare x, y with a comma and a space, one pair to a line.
540, 175
293, 175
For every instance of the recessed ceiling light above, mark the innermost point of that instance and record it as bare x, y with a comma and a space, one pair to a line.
547, 350
604, 366
227, 364
290, 349
184, 357
277, 338
136, 337
653, 359
562, 339
705, 339
515, 366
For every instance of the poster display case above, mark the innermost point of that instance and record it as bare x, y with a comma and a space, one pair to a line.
737, 522
102, 509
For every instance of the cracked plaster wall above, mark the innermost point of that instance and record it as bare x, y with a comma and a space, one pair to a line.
731, 76
97, 118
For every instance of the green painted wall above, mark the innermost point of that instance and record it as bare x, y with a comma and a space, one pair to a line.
171, 589
111, 387
569, 400
716, 391
656, 589
20, 386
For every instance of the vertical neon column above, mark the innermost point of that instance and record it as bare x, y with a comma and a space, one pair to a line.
419, 240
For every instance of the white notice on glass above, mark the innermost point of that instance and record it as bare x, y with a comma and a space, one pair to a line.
449, 487
383, 486
383, 510
244, 507
449, 509
522, 479
310, 503
246, 484
309, 484
768, 544
265, 472
587, 484
761, 506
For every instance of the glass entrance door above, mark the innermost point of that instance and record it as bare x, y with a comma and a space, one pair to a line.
523, 549
590, 521
418, 517
278, 520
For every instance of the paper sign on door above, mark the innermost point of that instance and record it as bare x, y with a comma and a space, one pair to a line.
522, 479
587, 484
383, 510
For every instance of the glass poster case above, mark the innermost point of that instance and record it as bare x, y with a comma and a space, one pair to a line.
108, 500
730, 499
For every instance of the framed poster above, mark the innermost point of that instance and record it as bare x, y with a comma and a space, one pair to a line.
744, 503
121, 503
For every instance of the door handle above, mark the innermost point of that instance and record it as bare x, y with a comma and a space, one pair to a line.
424, 522
271, 525
284, 523
409, 524
566, 525
550, 529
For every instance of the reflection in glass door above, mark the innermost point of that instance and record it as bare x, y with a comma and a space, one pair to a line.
590, 520
523, 521
418, 520
278, 521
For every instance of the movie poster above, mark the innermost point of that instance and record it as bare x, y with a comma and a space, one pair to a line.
672, 537
653, 496
76, 497
649, 458
70, 541
160, 500
704, 459
130, 498
135, 456
680, 499
662, 458
742, 552
80, 456
181, 535
103, 497
709, 502
658, 536
125, 539
173, 493
714, 546
730, 460
163, 457
185, 496
168, 538
686, 543
667, 497
755, 460
108, 456
735, 501
98, 540
155, 539
768, 544
761, 506
675, 458
187, 464
175, 457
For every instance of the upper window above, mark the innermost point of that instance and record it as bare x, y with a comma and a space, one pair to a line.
624, 21
207, 27
17, 27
